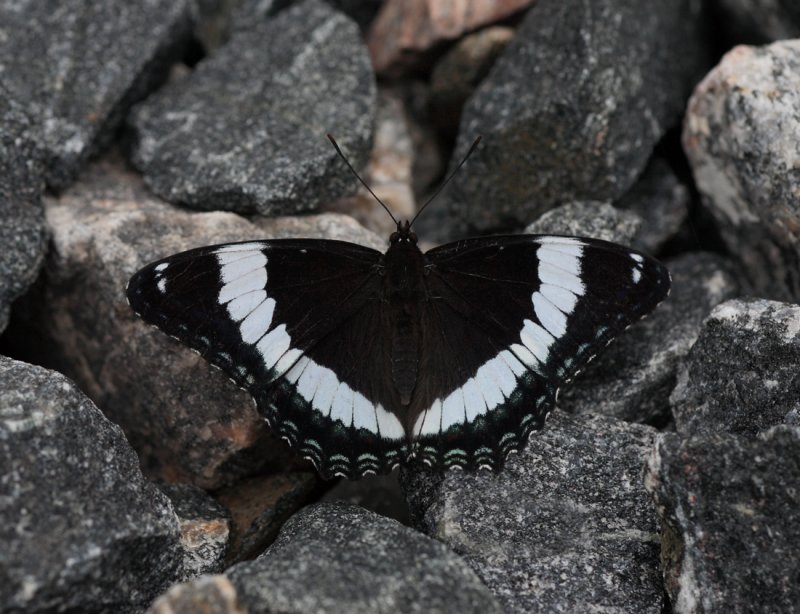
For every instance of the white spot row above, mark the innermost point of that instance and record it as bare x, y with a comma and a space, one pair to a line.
493, 383
636, 273
336, 400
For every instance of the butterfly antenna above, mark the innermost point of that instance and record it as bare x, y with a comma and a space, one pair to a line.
364, 183
446, 181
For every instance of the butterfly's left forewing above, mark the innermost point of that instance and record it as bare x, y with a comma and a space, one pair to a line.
282, 319
507, 321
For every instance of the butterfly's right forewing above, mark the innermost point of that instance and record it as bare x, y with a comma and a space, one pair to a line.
508, 320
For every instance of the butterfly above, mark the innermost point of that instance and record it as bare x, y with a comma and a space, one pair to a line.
363, 361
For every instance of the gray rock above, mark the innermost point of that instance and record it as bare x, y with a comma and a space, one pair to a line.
740, 135
565, 527
81, 529
207, 594
85, 64
741, 376
632, 379
593, 219
245, 131
574, 106
340, 558
187, 421
23, 234
205, 528
661, 200
759, 20
729, 509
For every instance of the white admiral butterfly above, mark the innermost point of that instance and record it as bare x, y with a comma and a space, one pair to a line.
364, 360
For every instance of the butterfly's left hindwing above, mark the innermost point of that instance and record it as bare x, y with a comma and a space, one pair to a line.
279, 317
508, 321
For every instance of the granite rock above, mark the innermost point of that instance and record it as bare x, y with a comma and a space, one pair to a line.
729, 510
597, 220
206, 594
245, 130
340, 558
205, 528
632, 379
406, 33
85, 64
23, 234
565, 527
81, 529
575, 105
187, 421
740, 135
742, 375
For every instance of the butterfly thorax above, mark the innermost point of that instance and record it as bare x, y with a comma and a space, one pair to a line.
404, 292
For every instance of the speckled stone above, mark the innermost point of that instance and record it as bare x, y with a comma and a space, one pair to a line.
741, 376
85, 64
729, 509
597, 220
406, 33
23, 234
741, 137
565, 527
186, 420
245, 131
341, 558
81, 529
207, 594
632, 379
574, 106
205, 528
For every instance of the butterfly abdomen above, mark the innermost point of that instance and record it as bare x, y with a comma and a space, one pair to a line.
404, 292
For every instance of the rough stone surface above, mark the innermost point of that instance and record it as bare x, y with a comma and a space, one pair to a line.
207, 594
574, 106
205, 528
661, 200
377, 493
361, 562
407, 32
729, 509
760, 20
245, 131
81, 529
740, 134
588, 219
23, 235
259, 506
341, 558
632, 379
85, 64
565, 527
742, 375
187, 421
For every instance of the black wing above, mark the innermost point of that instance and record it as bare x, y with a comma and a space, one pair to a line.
507, 321
283, 319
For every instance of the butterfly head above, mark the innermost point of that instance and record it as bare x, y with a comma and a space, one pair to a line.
403, 234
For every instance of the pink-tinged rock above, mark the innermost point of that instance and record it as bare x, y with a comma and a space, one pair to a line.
405, 31
742, 137
186, 420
